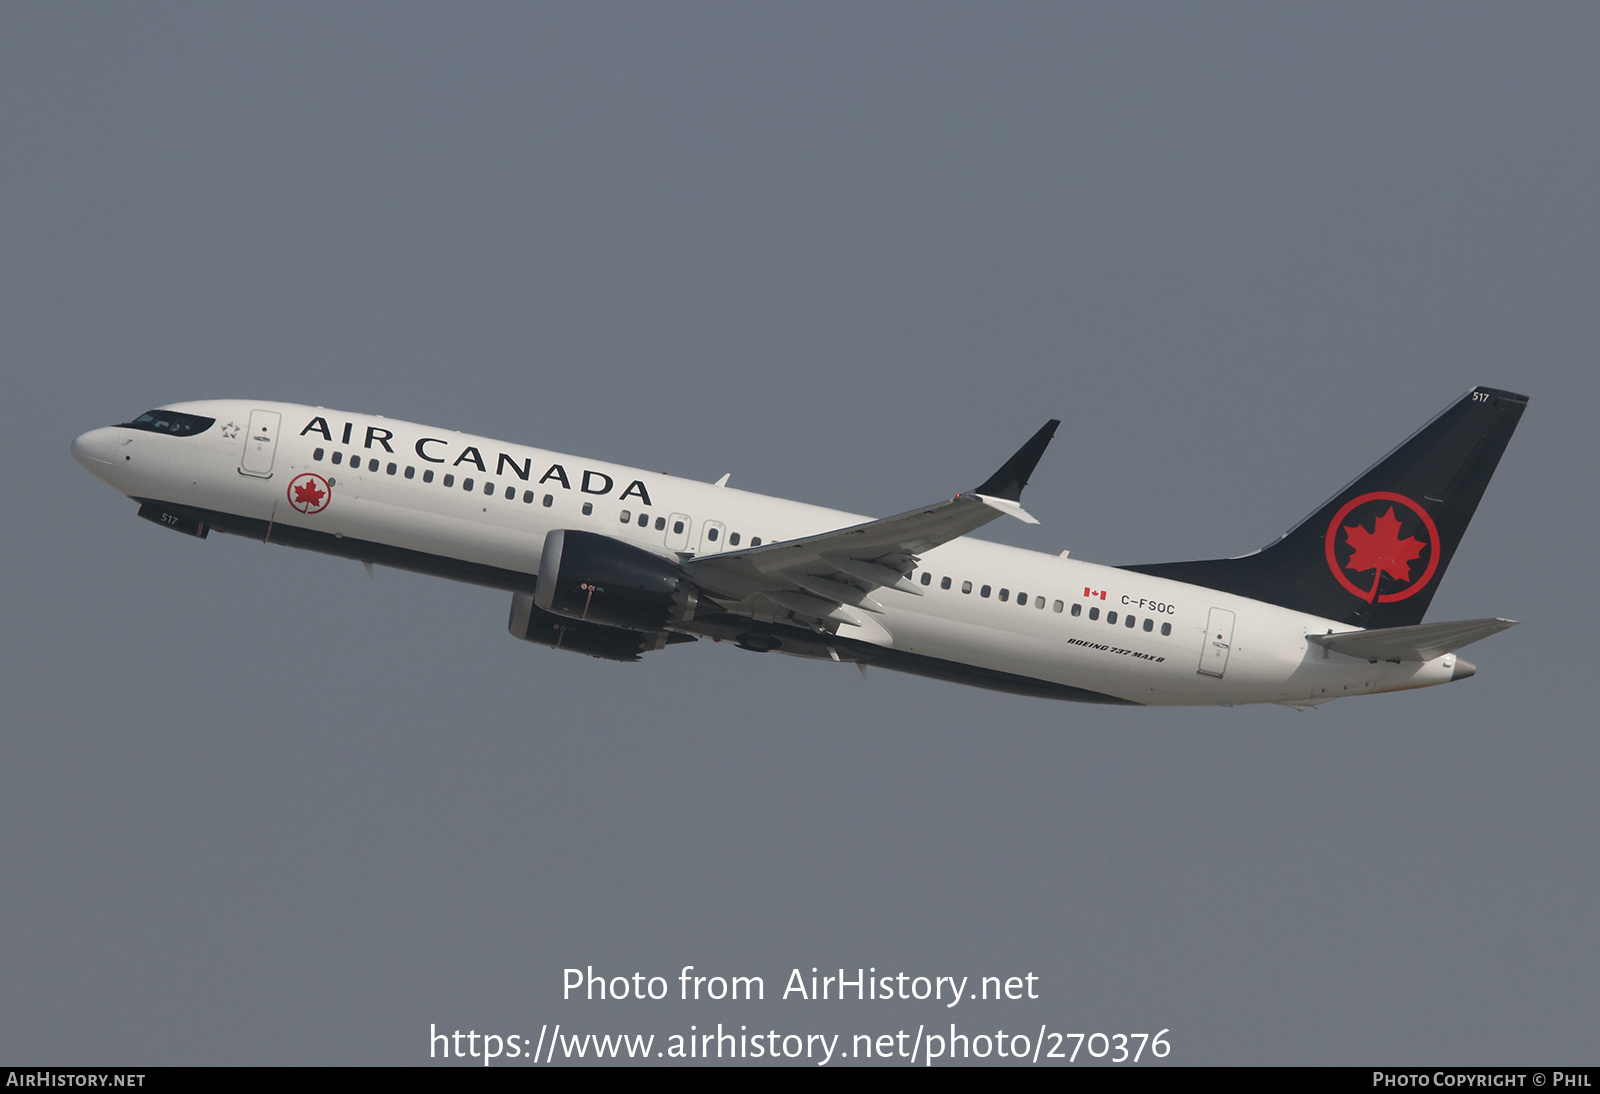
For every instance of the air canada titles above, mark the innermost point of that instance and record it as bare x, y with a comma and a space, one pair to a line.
437, 450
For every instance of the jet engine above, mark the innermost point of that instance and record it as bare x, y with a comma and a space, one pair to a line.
531, 624
598, 579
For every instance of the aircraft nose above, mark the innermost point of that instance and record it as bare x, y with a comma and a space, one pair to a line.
96, 451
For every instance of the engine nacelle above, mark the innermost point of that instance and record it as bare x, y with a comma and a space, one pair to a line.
531, 624
598, 579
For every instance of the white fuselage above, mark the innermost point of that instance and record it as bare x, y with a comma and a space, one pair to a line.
488, 504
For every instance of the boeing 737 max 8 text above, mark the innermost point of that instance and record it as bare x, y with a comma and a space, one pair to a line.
616, 562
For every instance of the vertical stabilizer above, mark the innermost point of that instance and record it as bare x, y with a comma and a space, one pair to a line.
1374, 553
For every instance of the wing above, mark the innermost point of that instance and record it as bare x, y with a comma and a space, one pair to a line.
826, 579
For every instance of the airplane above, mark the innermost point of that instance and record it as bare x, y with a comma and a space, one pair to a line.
616, 562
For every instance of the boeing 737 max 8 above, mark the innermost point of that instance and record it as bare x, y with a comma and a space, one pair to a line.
616, 562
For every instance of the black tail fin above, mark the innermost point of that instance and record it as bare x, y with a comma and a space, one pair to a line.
1374, 554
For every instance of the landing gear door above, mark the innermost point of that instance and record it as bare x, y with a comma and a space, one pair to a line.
260, 444
1218, 642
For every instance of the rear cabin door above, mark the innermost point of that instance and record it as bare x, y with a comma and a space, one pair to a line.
260, 444
1218, 642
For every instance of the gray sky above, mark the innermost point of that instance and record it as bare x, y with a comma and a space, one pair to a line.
257, 808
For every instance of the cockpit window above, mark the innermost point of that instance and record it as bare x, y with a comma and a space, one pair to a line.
172, 422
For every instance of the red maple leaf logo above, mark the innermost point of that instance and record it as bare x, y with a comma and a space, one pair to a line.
1382, 550
307, 494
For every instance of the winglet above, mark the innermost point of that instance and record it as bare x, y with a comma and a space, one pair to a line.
1009, 508
1007, 483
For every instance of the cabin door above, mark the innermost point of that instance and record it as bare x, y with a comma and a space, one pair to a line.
260, 444
1218, 642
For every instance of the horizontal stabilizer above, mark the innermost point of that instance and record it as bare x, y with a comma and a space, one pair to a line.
1422, 642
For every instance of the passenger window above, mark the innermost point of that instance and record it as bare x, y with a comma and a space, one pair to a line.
488, 489
466, 484
448, 480
1038, 602
527, 497
733, 539
661, 523
944, 583
927, 578
511, 493
411, 472
1111, 617
391, 469
644, 520
549, 500
1022, 599
627, 516
338, 458
588, 507
427, 474
1057, 606
372, 465
1129, 622
1005, 595
985, 591
966, 586
1166, 629
1149, 625
317, 455
677, 527
711, 534
1094, 613
1077, 610
755, 541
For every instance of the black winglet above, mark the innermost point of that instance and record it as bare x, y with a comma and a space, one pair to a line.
1007, 483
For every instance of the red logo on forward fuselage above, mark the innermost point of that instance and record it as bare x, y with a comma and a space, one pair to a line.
1388, 536
309, 493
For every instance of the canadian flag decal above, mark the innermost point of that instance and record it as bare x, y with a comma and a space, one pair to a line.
1090, 594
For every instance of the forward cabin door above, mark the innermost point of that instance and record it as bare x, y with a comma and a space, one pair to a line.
260, 444
1218, 642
